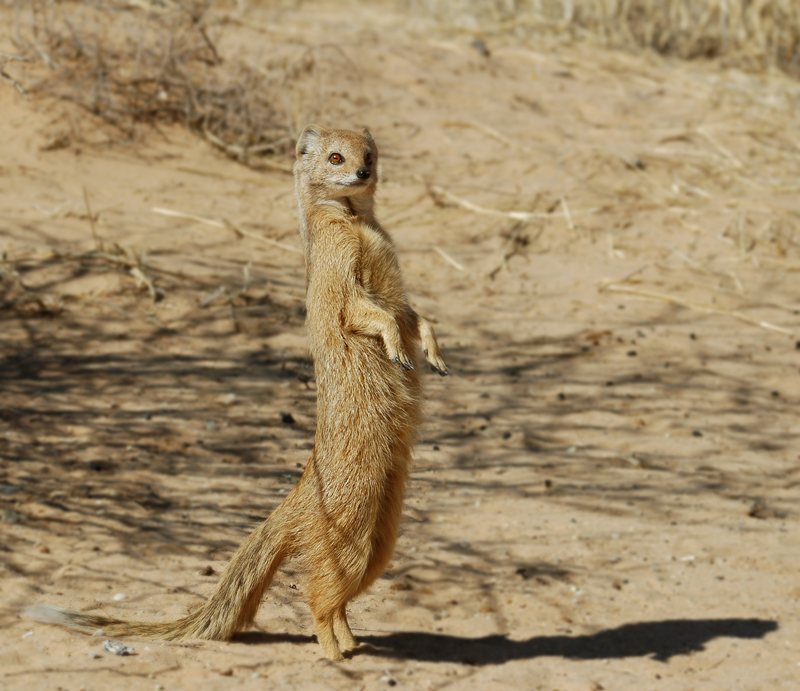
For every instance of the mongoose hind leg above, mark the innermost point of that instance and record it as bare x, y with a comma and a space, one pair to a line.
332, 585
347, 642
326, 637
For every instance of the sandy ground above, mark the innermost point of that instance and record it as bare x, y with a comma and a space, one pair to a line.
605, 494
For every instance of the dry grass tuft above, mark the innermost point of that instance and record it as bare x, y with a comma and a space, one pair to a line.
753, 34
152, 63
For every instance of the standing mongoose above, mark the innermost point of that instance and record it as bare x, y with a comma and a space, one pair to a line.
340, 522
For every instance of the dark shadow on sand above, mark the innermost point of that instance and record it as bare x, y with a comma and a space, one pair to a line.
660, 640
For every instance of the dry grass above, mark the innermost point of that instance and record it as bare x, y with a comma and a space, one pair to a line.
753, 34
138, 63
151, 62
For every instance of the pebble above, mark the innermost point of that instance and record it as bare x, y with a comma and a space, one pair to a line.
116, 648
119, 596
27, 634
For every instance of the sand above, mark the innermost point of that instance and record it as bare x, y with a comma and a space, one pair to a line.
605, 491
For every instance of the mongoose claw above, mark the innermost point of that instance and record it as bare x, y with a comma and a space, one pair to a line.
442, 370
404, 363
436, 362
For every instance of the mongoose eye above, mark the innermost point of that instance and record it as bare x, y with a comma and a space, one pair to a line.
336, 159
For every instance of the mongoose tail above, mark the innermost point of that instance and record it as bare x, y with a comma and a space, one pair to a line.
231, 608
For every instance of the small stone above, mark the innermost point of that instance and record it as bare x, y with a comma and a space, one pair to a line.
93, 655
632, 353
44, 549
207, 570
697, 433
116, 648
287, 418
119, 597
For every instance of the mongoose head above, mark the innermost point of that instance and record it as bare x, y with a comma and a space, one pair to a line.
337, 163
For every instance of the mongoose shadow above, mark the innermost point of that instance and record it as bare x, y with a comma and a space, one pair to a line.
660, 640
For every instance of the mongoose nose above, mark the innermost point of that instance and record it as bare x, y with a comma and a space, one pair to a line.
363, 173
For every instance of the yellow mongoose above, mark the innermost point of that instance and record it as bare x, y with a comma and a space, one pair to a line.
341, 520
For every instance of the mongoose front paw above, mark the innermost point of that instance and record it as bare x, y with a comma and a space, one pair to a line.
437, 363
404, 361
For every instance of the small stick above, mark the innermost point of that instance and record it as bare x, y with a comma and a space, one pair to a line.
140, 276
190, 217
700, 308
725, 152
449, 259
240, 152
491, 131
567, 216
16, 84
211, 46
625, 279
219, 291
98, 245
241, 232
230, 225
117, 309
440, 194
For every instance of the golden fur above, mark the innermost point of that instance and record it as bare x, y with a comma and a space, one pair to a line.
341, 520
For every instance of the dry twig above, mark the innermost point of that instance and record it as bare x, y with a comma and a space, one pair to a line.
661, 297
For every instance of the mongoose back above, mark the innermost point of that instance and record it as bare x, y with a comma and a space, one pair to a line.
341, 520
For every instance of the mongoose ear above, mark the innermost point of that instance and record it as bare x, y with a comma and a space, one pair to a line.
308, 139
366, 133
